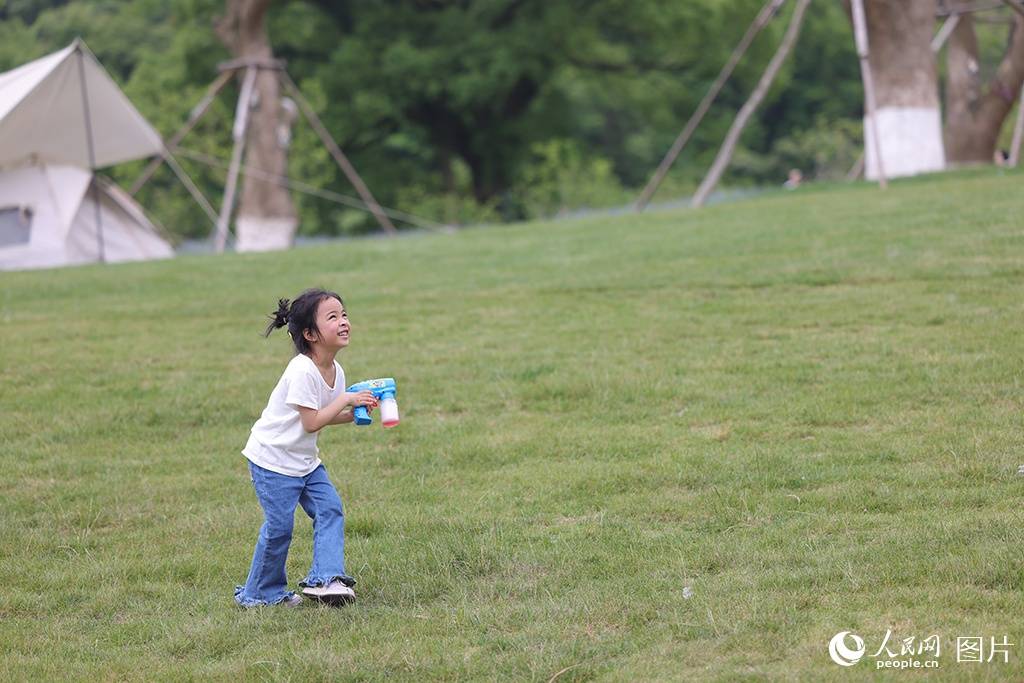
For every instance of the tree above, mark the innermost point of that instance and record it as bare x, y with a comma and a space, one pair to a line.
975, 112
266, 215
478, 86
908, 120
444, 103
461, 78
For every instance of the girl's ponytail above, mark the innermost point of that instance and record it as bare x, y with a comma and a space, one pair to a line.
279, 318
299, 315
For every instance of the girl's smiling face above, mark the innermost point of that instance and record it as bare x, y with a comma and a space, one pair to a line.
332, 325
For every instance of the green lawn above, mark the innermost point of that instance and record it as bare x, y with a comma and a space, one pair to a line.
804, 408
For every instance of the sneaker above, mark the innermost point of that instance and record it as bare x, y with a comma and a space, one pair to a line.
334, 593
293, 600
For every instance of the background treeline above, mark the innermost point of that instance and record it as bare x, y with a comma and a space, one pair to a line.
476, 110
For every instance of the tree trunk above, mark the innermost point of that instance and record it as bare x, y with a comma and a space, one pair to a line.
266, 215
902, 64
975, 113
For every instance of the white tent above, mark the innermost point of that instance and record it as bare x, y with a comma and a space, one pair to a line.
62, 116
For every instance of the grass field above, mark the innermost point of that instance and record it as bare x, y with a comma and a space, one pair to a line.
689, 445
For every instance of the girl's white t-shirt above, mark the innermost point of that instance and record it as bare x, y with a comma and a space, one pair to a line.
278, 441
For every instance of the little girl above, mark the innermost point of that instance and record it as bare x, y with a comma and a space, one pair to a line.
283, 456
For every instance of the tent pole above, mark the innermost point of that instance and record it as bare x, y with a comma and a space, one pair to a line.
193, 118
191, 187
339, 157
238, 132
285, 181
733, 136
762, 19
92, 155
860, 34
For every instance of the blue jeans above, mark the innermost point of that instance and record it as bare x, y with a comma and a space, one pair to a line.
278, 495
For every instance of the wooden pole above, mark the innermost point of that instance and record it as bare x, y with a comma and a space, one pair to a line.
90, 146
238, 133
725, 153
191, 187
245, 62
856, 169
762, 19
970, 7
1018, 132
339, 157
860, 34
285, 181
193, 118
947, 28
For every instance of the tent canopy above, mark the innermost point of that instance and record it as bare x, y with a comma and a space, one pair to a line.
48, 218
61, 117
53, 108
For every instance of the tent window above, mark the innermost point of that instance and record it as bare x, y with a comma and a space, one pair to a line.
15, 225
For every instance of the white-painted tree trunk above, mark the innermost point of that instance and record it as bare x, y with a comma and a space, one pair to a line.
910, 139
264, 234
264, 205
908, 118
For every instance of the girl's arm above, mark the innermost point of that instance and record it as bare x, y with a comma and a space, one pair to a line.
314, 420
344, 417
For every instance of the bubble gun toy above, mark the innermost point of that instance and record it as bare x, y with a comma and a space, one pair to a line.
384, 389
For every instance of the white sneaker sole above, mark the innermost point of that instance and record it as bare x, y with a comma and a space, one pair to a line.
329, 598
292, 603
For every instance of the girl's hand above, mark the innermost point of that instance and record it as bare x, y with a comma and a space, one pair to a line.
362, 398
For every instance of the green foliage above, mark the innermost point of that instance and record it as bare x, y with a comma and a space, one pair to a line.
165, 85
26, 11
821, 81
825, 151
561, 177
456, 206
464, 111
17, 44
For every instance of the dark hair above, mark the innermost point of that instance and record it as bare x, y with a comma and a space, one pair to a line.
300, 316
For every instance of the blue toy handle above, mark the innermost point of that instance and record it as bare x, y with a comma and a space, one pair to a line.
380, 388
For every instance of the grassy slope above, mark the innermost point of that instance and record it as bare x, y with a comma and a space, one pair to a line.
806, 407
